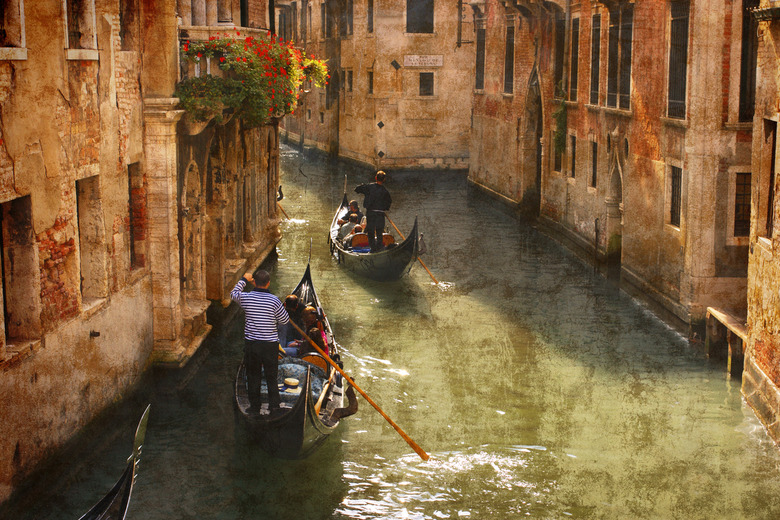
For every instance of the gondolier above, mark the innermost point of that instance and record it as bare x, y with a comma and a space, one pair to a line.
377, 200
263, 314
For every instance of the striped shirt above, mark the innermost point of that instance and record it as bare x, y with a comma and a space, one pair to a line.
263, 312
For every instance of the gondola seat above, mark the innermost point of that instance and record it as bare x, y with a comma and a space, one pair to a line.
316, 360
359, 240
388, 239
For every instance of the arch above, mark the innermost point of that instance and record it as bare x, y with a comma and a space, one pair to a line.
531, 153
614, 204
191, 235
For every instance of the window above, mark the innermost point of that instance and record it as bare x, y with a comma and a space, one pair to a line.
479, 83
770, 141
345, 28
308, 114
573, 141
426, 83
678, 59
137, 207
80, 24
676, 196
742, 205
128, 24
370, 77
11, 27
621, 26
747, 81
322, 117
560, 38
419, 16
595, 57
594, 163
323, 20
557, 154
91, 238
575, 58
21, 283
309, 28
349, 81
509, 59
370, 16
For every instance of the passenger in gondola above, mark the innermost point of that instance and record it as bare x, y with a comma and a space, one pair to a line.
288, 335
315, 329
376, 202
347, 227
353, 208
348, 239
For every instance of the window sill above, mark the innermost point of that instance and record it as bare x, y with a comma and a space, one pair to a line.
571, 180
679, 123
507, 95
479, 92
424, 98
592, 108
424, 35
592, 190
618, 111
81, 54
572, 104
738, 241
741, 126
13, 53
19, 351
671, 228
765, 244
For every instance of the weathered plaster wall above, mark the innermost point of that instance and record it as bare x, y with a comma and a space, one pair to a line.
626, 212
761, 379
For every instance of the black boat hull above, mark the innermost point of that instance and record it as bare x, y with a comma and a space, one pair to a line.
386, 265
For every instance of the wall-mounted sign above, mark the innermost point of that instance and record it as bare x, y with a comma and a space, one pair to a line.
423, 60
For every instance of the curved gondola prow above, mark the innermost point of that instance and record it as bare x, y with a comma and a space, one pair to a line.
114, 505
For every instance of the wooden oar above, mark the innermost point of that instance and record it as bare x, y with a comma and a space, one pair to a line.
322, 397
283, 211
418, 258
415, 447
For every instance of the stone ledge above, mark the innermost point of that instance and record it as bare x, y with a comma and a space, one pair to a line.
763, 396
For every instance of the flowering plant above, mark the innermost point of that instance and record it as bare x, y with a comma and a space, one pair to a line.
262, 78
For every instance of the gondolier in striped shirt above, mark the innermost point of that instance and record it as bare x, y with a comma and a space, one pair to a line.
263, 314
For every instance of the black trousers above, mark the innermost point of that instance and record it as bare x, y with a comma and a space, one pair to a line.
262, 356
375, 228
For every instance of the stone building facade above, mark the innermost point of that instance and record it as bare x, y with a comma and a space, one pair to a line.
761, 378
120, 218
595, 116
400, 81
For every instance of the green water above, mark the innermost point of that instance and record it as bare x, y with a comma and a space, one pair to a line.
538, 389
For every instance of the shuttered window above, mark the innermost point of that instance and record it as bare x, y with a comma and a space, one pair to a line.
621, 29
747, 80
770, 131
595, 57
509, 60
560, 37
742, 205
479, 83
676, 200
594, 162
573, 140
575, 58
678, 59
419, 16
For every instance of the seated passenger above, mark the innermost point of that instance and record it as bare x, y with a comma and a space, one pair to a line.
287, 333
353, 208
348, 239
314, 326
346, 228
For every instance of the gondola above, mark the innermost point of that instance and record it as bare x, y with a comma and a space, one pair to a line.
391, 263
114, 505
307, 415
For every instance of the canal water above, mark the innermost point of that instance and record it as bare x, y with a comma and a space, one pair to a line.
537, 387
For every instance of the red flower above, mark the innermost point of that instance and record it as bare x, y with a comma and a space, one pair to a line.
222, 58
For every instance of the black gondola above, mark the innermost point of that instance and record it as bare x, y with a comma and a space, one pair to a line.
307, 417
391, 263
114, 505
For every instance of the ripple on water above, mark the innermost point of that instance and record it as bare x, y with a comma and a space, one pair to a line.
452, 485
